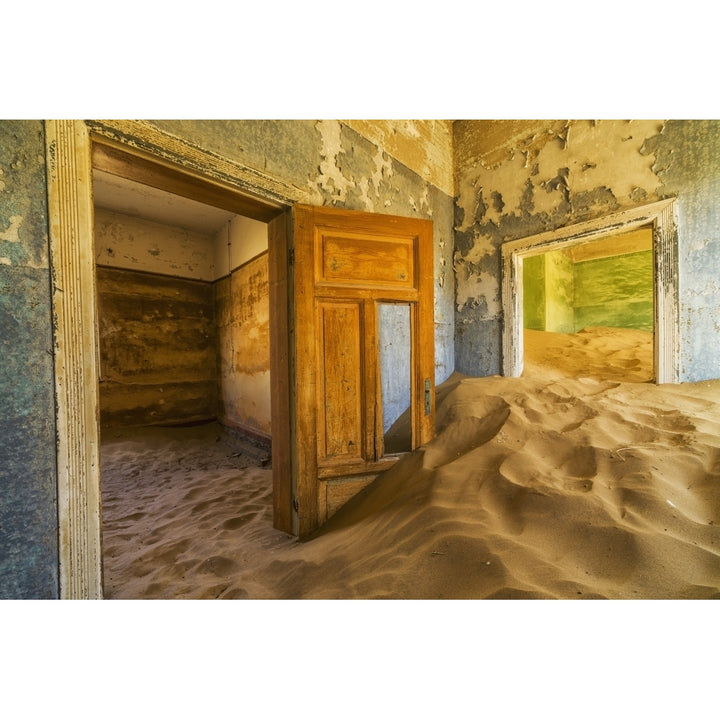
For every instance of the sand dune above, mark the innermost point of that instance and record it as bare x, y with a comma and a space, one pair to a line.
565, 483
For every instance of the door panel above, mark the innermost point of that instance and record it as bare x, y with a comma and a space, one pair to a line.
357, 259
340, 383
354, 271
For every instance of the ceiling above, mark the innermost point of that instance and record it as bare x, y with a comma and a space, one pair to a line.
131, 198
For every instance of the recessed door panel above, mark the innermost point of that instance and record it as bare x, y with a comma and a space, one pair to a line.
359, 259
340, 382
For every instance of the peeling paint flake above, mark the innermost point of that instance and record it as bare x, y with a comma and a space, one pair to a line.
330, 176
12, 233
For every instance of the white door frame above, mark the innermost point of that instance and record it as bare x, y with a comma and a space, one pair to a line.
662, 216
72, 261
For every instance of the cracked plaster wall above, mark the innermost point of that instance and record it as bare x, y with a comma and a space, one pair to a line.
28, 495
400, 167
519, 178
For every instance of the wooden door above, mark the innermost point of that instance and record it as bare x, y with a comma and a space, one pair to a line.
350, 271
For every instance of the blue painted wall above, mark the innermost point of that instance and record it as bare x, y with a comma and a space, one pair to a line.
516, 179
688, 164
28, 501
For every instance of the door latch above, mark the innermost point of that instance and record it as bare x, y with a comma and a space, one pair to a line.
428, 399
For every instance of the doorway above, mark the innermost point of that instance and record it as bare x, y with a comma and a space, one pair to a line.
184, 379
588, 308
658, 218
137, 152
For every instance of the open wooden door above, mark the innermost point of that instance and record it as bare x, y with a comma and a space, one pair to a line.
361, 326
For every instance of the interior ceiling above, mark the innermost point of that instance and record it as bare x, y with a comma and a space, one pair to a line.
131, 198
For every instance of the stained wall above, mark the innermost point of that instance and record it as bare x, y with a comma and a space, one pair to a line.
614, 292
157, 349
156, 322
183, 323
519, 178
28, 483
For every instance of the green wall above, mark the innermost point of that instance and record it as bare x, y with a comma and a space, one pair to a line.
534, 292
615, 292
562, 296
560, 285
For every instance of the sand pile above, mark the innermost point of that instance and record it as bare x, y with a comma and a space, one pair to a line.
552, 485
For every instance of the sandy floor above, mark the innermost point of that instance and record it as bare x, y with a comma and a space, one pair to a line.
565, 483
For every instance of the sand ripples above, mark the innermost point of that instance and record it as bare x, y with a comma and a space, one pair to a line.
544, 486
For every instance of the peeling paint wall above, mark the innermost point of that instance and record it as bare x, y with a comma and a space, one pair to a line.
396, 167
687, 162
28, 483
519, 178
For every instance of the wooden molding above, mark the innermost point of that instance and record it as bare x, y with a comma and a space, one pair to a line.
73, 274
162, 158
662, 216
140, 151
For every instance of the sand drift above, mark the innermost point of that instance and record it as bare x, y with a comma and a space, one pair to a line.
552, 485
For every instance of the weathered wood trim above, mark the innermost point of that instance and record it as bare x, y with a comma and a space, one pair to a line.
663, 218
144, 140
69, 146
281, 417
666, 295
76, 374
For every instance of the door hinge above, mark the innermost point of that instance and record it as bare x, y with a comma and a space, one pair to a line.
291, 256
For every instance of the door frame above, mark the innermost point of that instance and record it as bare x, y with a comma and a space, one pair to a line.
69, 158
662, 217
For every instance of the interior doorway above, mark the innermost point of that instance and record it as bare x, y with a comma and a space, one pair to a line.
134, 151
657, 218
184, 374
588, 308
